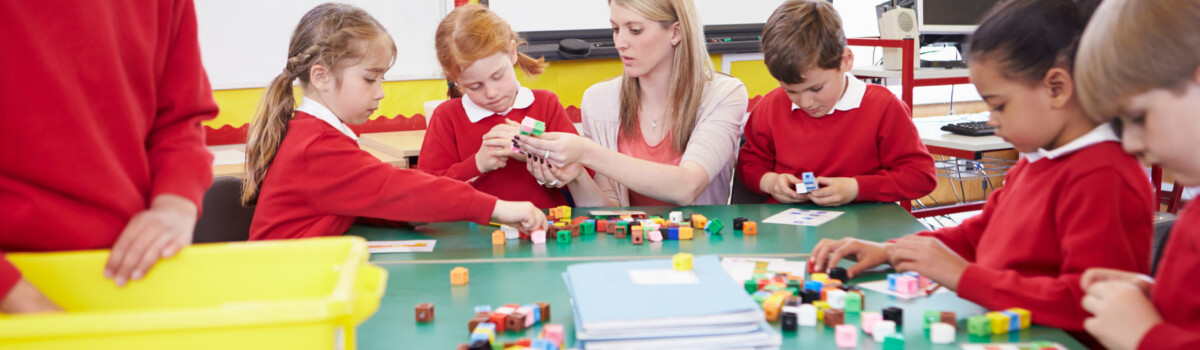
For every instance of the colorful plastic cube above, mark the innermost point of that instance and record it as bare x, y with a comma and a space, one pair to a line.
698, 221
806, 315
682, 262
813, 285
999, 322
544, 312
737, 223
538, 237
424, 312
498, 237
836, 298
789, 321
941, 333
907, 285
846, 336
853, 302
459, 276
894, 314
979, 325
714, 226
676, 216
893, 342
655, 236
749, 228
1014, 321
869, 319
880, 330
1025, 316
533, 127
834, 317
587, 228
685, 233
636, 237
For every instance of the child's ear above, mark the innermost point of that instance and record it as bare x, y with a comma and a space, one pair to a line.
319, 77
847, 59
1062, 88
512, 47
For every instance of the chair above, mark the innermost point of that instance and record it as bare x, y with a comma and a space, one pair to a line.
739, 194
1162, 231
223, 218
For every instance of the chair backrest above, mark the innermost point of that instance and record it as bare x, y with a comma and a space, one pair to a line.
223, 218
738, 193
1162, 230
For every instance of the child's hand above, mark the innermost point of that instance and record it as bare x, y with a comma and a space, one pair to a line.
1100, 274
492, 155
868, 254
1122, 314
522, 215
558, 148
834, 191
782, 187
157, 233
25, 298
929, 257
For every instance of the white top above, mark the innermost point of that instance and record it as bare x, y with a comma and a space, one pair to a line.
851, 99
1102, 133
475, 113
316, 109
714, 141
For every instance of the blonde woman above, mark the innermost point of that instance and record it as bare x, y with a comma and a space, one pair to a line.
665, 132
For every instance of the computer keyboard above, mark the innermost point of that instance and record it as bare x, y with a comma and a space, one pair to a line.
970, 128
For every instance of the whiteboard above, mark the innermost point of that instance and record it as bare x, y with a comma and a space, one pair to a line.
244, 42
541, 15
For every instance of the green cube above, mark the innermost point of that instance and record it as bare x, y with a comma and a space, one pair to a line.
564, 236
587, 228
853, 302
931, 317
714, 225
751, 286
893, 342
979, 325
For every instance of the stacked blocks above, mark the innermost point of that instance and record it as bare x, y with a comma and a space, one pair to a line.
934, 316
424, 312
459, 276
682, 262
790, 319
532, 127
673, 233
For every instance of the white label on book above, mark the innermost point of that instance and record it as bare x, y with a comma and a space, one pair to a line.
662, 277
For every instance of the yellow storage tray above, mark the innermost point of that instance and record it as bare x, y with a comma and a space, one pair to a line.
297, 294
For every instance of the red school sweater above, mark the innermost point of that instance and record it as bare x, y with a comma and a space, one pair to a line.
100, 111
876, 144
1174, 292
452, 140
1052, 220
320, 181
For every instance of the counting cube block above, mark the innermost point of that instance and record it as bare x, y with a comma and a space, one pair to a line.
574, 229
941, 333
544, 311
894, 314
655, 236
906, 285
737, 223
810, 182
772, 306
563, 236
532, 314
534, 127
839, 273
515, 322
673, 233
999, 322
538, 237
510, 232
682, 262
880, 330
424, 312
498, 319
930, 317
459, 276
979, 325
621, 232
498, 237
475, 322
893, 342
698, 221
1023, 314
853, 302
685, 233
751, 286
869, 319
813, 286
846, 336
836, 298
806, 315
948, 318
676, 216
542, 344
1014, 321
749, 228
789, 321
602, 226
636, 237
808, 296
834, 317
714, 226
587, 228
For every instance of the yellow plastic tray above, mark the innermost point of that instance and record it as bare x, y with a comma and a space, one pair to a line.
297, 294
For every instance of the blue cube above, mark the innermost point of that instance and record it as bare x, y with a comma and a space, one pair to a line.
1014, 324
810, 181
536, 313
813, 285
542, 344
892, 281
483, 308
480, 336
673, 233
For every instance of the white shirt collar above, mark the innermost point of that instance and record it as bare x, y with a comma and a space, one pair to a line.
1101, 133
855, 90
475, 113
318, 110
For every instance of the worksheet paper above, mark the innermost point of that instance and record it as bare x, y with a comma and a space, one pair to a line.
803, 217
881, 286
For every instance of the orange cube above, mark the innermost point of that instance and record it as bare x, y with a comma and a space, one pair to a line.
498, 237
459, 276
685, 233
750, 228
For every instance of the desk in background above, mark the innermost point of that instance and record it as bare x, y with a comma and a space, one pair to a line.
230, 160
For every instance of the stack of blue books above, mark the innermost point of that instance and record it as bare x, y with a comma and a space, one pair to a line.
647, 305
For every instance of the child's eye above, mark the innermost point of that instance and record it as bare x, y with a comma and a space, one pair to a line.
474, 86
1137, 119
817, 89
615, 30
497, 76
370, 81
999, 108
635, 31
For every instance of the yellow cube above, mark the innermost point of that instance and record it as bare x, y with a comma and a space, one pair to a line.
564, 211
819, 277
772, 306
1026, 316
698, 221
685, 233
459, 276
682, 262
1000, 322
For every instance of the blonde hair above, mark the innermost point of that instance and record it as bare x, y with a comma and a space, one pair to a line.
1133, 46
690, 72
472, 32
333, 35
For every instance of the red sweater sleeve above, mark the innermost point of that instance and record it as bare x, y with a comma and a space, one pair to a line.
439, 150
1166, 336
355, 183
9, 275
1097, 222
757, 156
908, 171
179, 162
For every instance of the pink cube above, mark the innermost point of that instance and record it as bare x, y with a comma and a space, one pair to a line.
869, 319
656, 236
846, 336
528, 312
907, 285
553, 333
538, 237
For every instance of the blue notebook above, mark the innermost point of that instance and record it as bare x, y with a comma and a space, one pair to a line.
608, 304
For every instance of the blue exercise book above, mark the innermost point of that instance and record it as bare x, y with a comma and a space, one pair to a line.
609, 305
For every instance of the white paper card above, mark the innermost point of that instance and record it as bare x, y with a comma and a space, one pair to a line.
882, 287
662, 277
413, 246
741, 269
802, 217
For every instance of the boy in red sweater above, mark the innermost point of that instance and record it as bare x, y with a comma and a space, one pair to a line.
1157, 104
469, 138
305, 170
101, 103
1074, 201
857, 138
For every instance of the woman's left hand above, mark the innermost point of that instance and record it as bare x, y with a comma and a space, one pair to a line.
557, 148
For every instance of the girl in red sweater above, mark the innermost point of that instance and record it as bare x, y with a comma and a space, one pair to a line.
305, 170
470, 137
1137, 61
1073, 202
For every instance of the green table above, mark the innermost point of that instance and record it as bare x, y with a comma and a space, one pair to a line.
521, 272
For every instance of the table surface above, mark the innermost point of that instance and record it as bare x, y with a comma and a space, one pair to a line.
521, 272
929, 128
922, 73
401, 144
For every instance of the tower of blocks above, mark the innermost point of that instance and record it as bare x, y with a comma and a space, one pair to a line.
908, 283
808, 183
532, 127
514, 318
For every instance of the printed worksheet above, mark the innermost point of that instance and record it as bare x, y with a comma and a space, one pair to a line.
803, 217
